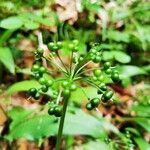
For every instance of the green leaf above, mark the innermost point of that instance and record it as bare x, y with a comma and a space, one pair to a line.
37, 126
140, 110
17, 114
117, 55
143, 122
7, 59
31, 25
13, 22
118, 36
129, 71
121, 57
142, 144
22, 86
96, 145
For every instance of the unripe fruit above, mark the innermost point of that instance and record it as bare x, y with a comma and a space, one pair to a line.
108, 71
35, 68
107, 96
51, 111
32, 91
97, 72
58, 111
42, 81
66, 92
73, 87
42, 70
107, 65
89, 106
115, 77
37, 96
44, 88
49, 83
95, 102
103, 87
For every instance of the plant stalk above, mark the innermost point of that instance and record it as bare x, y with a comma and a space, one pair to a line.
61, 124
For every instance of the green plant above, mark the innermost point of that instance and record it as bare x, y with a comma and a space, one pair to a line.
71, 78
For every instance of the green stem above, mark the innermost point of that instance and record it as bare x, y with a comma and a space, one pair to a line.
61, 124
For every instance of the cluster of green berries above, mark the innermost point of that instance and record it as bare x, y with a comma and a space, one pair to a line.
55, 46
129, 142
38, 73
74, 46
95, 54
92, 103
55, 110
68, 87
112, 72
97, 75
38, 53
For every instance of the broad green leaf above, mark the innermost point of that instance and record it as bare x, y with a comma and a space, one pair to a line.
22, 86
129, 71
142, 144
7, 59
31, 25
42, 125
17, 114
117, 55
144, 122
141, 110
13, 22
118, 36
96, 145
122, 57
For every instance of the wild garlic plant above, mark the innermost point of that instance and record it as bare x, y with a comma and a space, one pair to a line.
70, 78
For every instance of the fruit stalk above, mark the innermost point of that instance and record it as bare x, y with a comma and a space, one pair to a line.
61, 124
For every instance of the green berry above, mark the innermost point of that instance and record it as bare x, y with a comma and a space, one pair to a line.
93, 50
89, 106
81, 58
40, 51
37, 76
66, 92
44, 88
51, 111
35, 68
107, 65
95, 102
73, 87
97, 72
94, 78
42, 81
37, 96
107, 96
58, 111
100, 78
59, 44
32, 91
49, 83
50, 45
103, 87
108, 71
42, 70
55, 48
115, 77
97, 59
65, 84
75, 42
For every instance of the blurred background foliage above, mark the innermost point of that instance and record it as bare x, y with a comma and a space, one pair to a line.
123, 31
